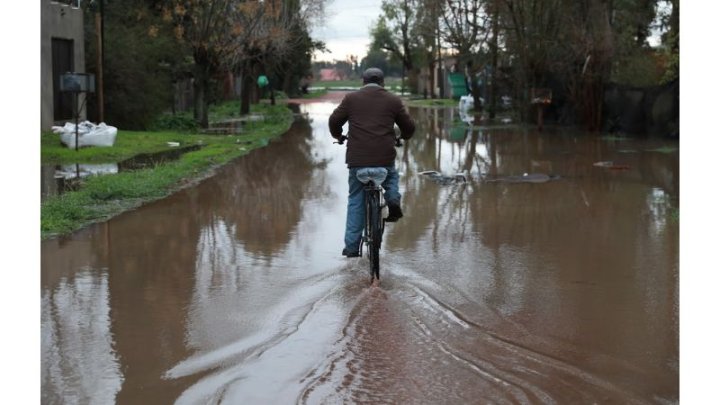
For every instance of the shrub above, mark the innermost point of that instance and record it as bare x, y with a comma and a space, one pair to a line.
183, 122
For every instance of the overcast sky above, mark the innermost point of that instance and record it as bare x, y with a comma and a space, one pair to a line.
347, 28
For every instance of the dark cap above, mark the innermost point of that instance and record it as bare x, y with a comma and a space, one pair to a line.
373, 75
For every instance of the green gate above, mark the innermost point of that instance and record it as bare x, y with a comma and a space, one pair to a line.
459, 88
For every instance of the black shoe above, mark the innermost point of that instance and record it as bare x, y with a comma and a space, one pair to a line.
394, 213
350, 254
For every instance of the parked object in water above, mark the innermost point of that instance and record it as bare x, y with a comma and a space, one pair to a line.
525, 178
612, 166
467, 103
88, 134
443, 179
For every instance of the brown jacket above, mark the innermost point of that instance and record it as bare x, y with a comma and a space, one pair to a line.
372, 112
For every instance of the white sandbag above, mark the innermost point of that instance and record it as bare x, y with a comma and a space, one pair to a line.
466, 103
88, 134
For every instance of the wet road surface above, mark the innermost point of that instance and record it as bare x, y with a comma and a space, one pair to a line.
234, 291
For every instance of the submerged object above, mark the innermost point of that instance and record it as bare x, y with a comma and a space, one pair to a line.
610, 165
443, 179
525, 178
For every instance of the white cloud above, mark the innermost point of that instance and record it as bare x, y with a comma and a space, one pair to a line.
347, 28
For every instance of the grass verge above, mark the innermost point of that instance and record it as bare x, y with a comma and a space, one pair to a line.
101, 197
439, 102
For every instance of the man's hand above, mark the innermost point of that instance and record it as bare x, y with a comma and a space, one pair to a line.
341, 139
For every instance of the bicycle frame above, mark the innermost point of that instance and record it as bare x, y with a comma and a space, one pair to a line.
374, 226
374, 222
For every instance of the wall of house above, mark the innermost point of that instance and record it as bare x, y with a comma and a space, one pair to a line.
58, 20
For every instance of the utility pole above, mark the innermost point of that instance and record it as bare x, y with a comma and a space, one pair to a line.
440, 79
99, 28
494, 60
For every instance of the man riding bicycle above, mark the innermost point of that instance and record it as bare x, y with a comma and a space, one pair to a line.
372, 112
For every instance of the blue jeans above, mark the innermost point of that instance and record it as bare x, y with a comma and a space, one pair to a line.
356, 204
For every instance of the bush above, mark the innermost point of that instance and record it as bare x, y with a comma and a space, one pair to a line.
641, 69
183, 122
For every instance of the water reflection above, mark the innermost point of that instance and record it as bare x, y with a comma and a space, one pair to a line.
559, 292
80, 364
262, 198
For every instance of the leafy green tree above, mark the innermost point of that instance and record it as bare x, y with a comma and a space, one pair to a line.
671, 41
394, 33
465, 29
212, 29
382, 60
142, 59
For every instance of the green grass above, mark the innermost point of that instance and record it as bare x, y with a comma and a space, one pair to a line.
664, 149
615, 138
127, 145
337, 83
315, 93
390, 82
130, 143
439, 102
101, 197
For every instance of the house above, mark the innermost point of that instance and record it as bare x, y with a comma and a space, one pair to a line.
333, 74
62, 50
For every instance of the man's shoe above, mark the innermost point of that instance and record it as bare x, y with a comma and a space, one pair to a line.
394, 213
350, 254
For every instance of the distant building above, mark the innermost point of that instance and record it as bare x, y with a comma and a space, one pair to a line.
327, 75
62, 49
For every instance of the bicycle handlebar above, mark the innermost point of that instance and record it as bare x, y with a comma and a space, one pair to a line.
341, 140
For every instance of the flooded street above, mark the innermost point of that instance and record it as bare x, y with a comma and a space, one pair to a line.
506, 291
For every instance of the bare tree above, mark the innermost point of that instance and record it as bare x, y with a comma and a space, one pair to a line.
393, 33
465, 29
212, 29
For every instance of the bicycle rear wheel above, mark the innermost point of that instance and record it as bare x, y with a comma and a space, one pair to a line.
374, 233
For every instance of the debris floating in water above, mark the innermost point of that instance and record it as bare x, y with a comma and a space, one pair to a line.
445, 179
611, 165
525, 178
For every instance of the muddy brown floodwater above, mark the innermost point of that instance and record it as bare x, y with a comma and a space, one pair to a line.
505, 292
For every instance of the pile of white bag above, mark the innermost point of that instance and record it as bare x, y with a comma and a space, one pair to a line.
88, 134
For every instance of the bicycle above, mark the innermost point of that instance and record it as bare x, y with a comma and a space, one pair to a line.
372, 178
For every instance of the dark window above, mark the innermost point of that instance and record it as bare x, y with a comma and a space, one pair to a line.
62, 62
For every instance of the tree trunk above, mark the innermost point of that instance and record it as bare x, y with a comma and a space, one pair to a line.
413, 79
247, 86
431, 78
492, 94
200, 112
200, 86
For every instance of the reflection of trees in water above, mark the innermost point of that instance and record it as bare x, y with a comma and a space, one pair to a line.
149, 255
520, 214
79, 364
150, 262
429, 205
261, 194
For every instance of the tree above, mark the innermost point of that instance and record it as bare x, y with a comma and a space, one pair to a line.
210, 28
393, 33
233, 35
465, 29
276, 39
381, 59
142, 58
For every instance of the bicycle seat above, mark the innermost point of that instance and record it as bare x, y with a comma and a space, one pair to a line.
376, 174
